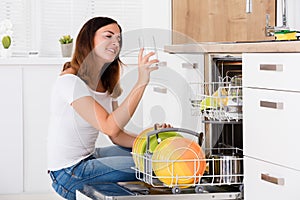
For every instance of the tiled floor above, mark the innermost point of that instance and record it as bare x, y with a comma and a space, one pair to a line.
47, 196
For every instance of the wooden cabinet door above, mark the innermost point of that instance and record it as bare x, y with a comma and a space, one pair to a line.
220, 21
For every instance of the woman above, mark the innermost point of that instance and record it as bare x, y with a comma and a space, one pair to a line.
84, 105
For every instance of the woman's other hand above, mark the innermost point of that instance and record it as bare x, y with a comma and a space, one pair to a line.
145, 66
163, 125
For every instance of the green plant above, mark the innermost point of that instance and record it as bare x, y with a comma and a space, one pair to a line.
66, 39
6, 41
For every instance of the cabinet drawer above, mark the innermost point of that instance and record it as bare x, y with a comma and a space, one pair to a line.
271, 70
263, 180
271, 126
190, 67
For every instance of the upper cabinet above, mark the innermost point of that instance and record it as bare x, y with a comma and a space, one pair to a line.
221, 21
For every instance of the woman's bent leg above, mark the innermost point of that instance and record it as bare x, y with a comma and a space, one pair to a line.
108, 169
113, 150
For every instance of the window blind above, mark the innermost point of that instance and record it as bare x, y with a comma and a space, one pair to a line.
67, 17
18, 12
38, 25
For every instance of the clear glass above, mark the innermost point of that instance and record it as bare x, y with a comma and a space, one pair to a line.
149, 45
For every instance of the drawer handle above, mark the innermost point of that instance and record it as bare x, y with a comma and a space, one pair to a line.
271, 67
161, 64
162, 90
190, 65
270, 179
274, 105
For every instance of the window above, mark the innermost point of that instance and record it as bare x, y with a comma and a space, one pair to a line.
71, 14
37, 25
17, 12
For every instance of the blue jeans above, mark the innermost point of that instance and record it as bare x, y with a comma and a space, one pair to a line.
108, 164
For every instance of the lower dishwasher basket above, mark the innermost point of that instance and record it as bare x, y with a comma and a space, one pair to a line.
223, 170
222, 179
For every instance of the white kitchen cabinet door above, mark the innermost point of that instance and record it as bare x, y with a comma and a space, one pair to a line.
11, 123
271, 70
38, 81
167, 98
263, 180
271, 131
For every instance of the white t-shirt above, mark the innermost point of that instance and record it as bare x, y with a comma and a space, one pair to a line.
70, 137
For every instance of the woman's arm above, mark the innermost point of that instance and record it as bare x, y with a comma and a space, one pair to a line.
124, 139
113, 123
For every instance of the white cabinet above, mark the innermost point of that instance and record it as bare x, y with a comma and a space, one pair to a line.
11, 123
271, 99
272, 133
272, 71
25, 85
264, 180
167, 96
37, 86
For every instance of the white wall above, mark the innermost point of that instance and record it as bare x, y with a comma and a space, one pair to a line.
293, 14
157, 14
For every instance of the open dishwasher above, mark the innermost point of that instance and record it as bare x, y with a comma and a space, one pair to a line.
222, 177
219, 104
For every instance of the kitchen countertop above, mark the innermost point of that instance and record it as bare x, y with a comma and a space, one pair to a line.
33, 60
24, 61
235, 47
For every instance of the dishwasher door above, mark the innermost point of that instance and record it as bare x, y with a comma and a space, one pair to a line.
140, 190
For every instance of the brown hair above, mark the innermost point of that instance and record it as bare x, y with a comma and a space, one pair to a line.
83, 57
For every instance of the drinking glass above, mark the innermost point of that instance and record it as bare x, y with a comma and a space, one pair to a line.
149, 45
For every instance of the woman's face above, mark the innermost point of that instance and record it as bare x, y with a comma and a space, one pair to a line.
107, 42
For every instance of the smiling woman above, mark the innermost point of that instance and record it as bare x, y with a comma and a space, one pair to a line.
107, 43
82, 108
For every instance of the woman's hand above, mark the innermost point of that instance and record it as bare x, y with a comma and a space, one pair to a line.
145, 67
163, 125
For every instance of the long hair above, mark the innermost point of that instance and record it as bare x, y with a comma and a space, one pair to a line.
83, 57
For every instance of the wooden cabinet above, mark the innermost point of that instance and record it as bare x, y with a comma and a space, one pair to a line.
220, 21
11, 123
271, 99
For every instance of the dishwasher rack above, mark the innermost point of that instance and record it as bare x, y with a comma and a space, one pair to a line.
223, 167
219, 102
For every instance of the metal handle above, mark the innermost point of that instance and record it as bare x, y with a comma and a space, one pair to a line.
160, 89
248, 6
190, 65
271, 67
161, 64
274, 105
271, 179
267, 20
182, 130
